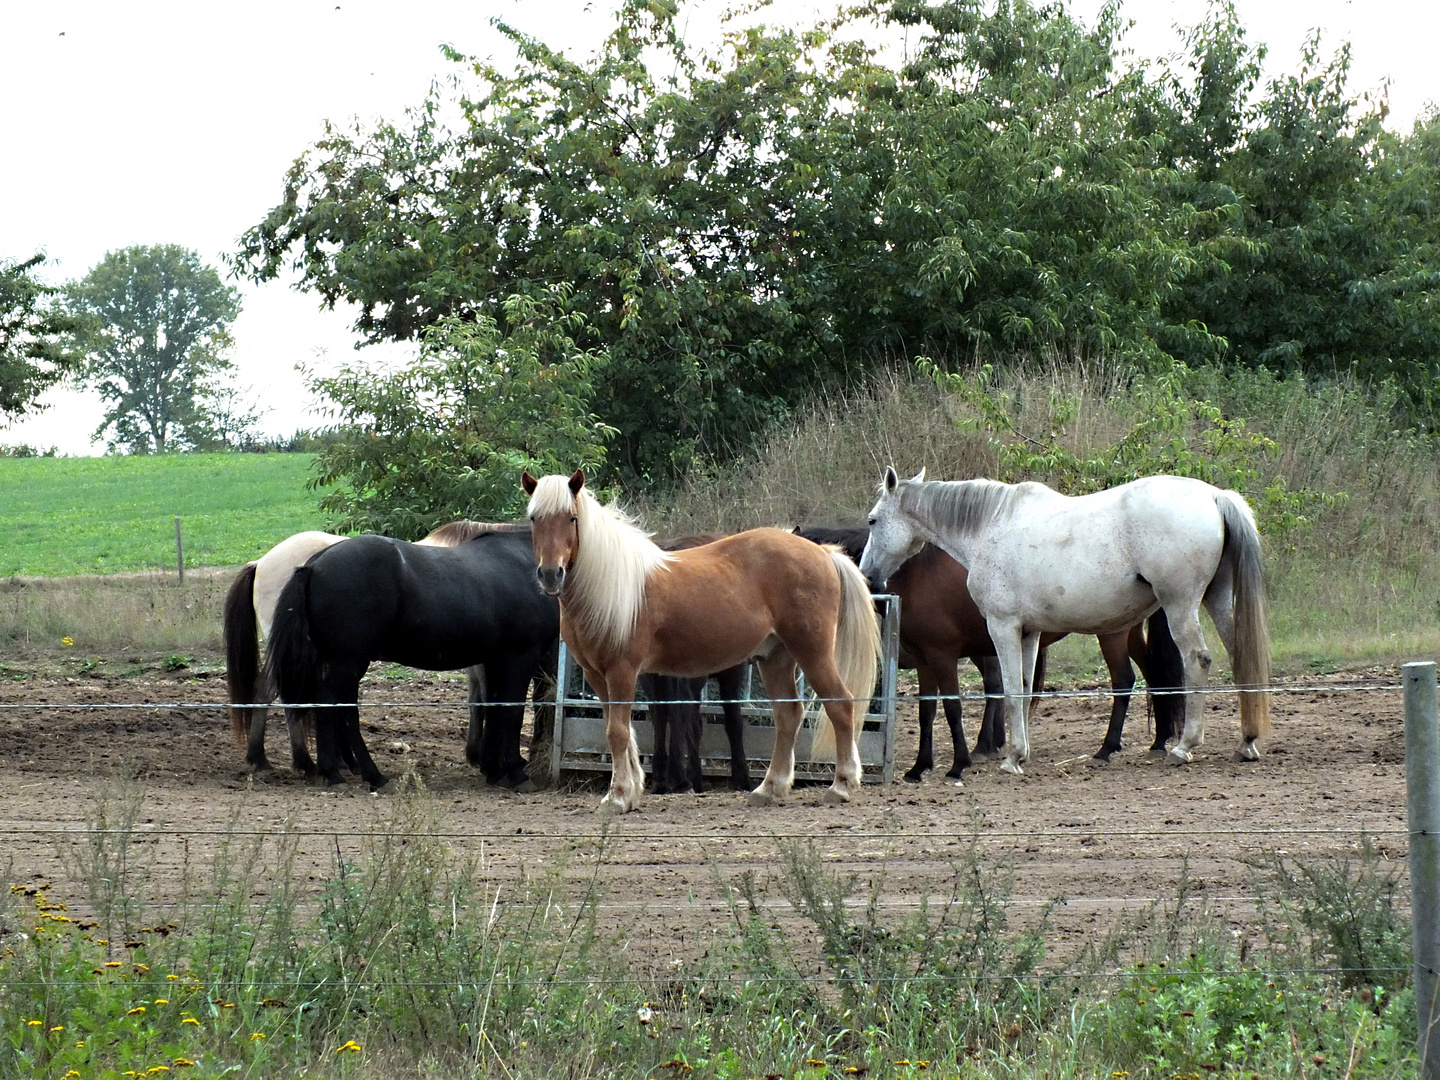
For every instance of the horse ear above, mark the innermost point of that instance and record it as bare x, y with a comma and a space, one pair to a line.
577, 481
528, 482
919, 476
892, 478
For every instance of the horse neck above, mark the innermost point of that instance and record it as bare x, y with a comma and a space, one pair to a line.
614, 559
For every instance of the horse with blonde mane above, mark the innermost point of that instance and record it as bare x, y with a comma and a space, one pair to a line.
627, 607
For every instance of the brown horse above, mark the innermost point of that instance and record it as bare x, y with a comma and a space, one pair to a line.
940, 624
626, 607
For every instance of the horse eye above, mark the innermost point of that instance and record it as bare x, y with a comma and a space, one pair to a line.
872, 522
573, 519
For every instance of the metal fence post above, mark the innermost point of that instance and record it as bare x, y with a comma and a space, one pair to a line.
1422, 786
179, 553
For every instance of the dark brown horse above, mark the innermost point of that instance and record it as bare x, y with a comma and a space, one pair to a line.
940, 624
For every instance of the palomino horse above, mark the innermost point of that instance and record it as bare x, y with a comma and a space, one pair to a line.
250, 606
1040, 561
940, 624
626, 607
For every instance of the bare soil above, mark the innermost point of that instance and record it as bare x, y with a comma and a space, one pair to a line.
1105, 838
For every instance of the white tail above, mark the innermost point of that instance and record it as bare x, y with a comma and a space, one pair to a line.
857, 651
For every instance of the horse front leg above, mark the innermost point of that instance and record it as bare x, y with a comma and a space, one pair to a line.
925, 756
1116, 650
475, 702
1014, 671
627, 778
991, 739
732, 684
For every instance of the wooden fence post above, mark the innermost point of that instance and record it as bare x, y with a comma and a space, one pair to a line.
179, 553
1422, 786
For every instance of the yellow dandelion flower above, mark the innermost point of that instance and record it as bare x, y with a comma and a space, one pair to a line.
69, 1074
136, 1011
141, 968
183, 1063
67, 641
162, 1001
57, 1027
157, 1069
172, 978
112, 963
80, 1045
35, 1023
190, 1020
254, 1035
350, 1047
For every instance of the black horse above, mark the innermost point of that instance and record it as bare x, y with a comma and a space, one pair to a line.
437, 608
677, 721
939, 624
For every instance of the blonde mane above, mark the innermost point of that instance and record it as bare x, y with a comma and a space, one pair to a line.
606, 584
455, 533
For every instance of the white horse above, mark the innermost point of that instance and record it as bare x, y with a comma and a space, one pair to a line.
1042, 561
250, 606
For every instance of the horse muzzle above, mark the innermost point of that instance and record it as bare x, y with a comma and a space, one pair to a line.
551, 578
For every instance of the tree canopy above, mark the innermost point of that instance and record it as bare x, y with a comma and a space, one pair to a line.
159, 324
36, 336
745, 229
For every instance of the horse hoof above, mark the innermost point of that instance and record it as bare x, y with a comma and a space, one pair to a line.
1180, 756
914, 776
1157, 752
835, 797
1012, 767
760, 798
612, 807
957, 772
1103, 757
1248, 752
524, 787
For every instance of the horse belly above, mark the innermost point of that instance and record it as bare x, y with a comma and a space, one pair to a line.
1096, 607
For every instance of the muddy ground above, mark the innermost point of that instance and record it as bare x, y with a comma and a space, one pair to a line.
1105, 838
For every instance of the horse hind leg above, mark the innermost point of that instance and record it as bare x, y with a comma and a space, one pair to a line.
1220, 603
777, 672
844, 714
948, 684
1116, 650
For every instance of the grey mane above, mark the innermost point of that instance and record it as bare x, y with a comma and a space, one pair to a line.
960, 506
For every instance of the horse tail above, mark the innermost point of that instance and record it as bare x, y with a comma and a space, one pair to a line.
1252, 637
293, 665
242, 650
857, 649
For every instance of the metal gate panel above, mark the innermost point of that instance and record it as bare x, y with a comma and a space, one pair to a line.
580, 743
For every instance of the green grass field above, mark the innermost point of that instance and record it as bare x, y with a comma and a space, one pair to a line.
62, 516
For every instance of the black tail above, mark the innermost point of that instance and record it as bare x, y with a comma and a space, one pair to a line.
293, 665
242, 650
1164, 670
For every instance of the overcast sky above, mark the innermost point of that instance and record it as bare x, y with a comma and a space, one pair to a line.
146, 122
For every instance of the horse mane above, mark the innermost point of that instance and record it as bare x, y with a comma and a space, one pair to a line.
960, 506
455, 533
615, 559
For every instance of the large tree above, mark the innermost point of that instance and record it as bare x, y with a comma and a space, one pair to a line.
160, 327
36, 336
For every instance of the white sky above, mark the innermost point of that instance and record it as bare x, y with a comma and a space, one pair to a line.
150, 122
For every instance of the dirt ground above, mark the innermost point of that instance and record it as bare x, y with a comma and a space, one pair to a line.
1105, 838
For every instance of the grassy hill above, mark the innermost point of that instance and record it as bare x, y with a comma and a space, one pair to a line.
62, 516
